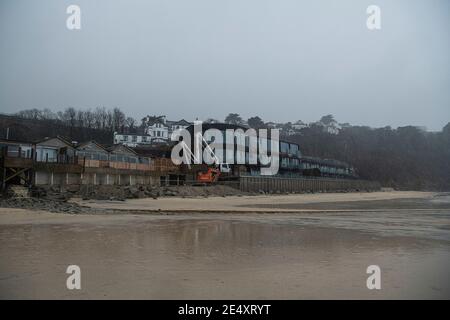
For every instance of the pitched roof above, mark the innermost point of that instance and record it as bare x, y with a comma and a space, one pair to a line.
181, 122
81, 145
63, 139
114, 147
151, 120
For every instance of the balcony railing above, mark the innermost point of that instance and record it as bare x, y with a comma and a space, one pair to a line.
158, 164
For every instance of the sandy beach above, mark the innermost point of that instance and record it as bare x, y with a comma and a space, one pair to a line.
313, 246
275, 203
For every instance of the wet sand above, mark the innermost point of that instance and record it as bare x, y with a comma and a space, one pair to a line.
273, 203
296, 255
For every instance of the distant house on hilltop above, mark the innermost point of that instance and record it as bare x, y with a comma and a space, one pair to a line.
155, 129
298, 125
177, 125
160, 129
131, 140
331, 127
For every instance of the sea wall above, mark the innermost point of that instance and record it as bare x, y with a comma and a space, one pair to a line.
277, 184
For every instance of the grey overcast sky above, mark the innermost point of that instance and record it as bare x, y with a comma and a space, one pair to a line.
283, 60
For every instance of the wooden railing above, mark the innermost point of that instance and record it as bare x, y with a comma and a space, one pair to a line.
164, 165
158, 164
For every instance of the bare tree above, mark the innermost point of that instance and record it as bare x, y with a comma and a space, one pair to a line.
88, 119
80, 119
109, 121
130, 123
100, 118
47, 114
118, 119
70, 116
33, 114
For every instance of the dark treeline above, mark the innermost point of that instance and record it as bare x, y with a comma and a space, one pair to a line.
405, 158
99, 118
77, 125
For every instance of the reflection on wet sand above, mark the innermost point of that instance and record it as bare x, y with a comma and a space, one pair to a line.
221, 256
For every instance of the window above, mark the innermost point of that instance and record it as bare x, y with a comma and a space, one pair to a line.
294, 148
125, 138
134, 138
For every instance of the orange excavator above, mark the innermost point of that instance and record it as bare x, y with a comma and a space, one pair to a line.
212, 174
209, 176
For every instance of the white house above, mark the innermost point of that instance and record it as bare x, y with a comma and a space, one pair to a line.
156, 129
177, 125
298, 125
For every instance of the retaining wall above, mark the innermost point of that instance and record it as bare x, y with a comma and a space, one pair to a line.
287, 184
